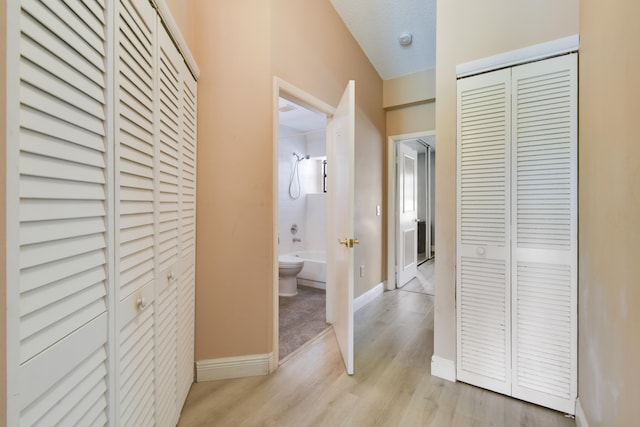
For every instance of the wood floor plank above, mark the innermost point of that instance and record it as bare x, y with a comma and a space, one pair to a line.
392, 385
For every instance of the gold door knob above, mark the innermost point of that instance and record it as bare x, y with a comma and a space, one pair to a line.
349, 242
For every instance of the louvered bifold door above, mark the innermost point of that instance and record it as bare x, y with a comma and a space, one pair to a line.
58, 213
168, 194
135, 212
544, 233
186, 277
483, 283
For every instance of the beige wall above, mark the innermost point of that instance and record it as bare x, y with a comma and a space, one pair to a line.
3, 212
410, 103
239, 47
469, 30
182, 13
609, 203
411, 118
234, 214
411, 89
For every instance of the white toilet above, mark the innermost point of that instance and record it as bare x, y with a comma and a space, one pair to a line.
288, 268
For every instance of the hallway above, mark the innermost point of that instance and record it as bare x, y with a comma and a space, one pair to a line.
392, 385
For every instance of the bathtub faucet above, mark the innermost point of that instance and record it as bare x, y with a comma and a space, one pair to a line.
297, 239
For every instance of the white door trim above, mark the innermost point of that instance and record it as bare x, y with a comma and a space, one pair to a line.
391, 200
289, 91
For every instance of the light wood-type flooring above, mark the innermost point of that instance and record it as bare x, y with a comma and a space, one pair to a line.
392, 385
424, 282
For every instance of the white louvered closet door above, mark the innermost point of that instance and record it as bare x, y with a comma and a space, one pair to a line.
517, 231
58, 213
135, 211
186, 274
483, 274
168, 147
544, 230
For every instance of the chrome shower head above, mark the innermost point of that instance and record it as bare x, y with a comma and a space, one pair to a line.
301, 158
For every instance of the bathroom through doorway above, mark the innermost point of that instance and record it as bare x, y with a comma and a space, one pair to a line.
302, 225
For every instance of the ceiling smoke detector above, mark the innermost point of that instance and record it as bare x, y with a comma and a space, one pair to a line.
405, 39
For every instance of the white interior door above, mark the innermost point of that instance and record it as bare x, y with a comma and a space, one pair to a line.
340, 154
407, 236
134, 209
483, 215
544, 227
59, 217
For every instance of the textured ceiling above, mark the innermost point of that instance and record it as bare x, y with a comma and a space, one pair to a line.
376, 24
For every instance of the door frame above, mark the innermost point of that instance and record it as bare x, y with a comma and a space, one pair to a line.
392, 182
293, 93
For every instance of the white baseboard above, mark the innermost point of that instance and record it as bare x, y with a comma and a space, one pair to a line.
312, 283
234, 367
368, 296
443, 368
581, 417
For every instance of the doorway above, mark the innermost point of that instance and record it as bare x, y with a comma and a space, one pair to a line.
302, 131
339, 213
302, 209
411, 207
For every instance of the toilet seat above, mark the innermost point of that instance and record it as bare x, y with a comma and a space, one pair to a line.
289, 261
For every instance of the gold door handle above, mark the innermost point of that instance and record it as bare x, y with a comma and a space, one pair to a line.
349, 242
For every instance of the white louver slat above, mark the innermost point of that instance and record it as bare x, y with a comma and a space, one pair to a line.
545, 232
135, 169
59, 280
483, 305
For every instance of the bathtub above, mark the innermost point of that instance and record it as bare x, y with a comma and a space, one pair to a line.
314, 272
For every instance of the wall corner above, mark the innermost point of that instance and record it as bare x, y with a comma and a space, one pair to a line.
581, 417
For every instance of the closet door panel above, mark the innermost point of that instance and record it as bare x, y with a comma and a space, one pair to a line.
188, 166
169, 64
186, 284
136, 240
186, 329
483, 282
59, 207
168, 150
167, 353
75, 391
136, 360
135, 153
545, 232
